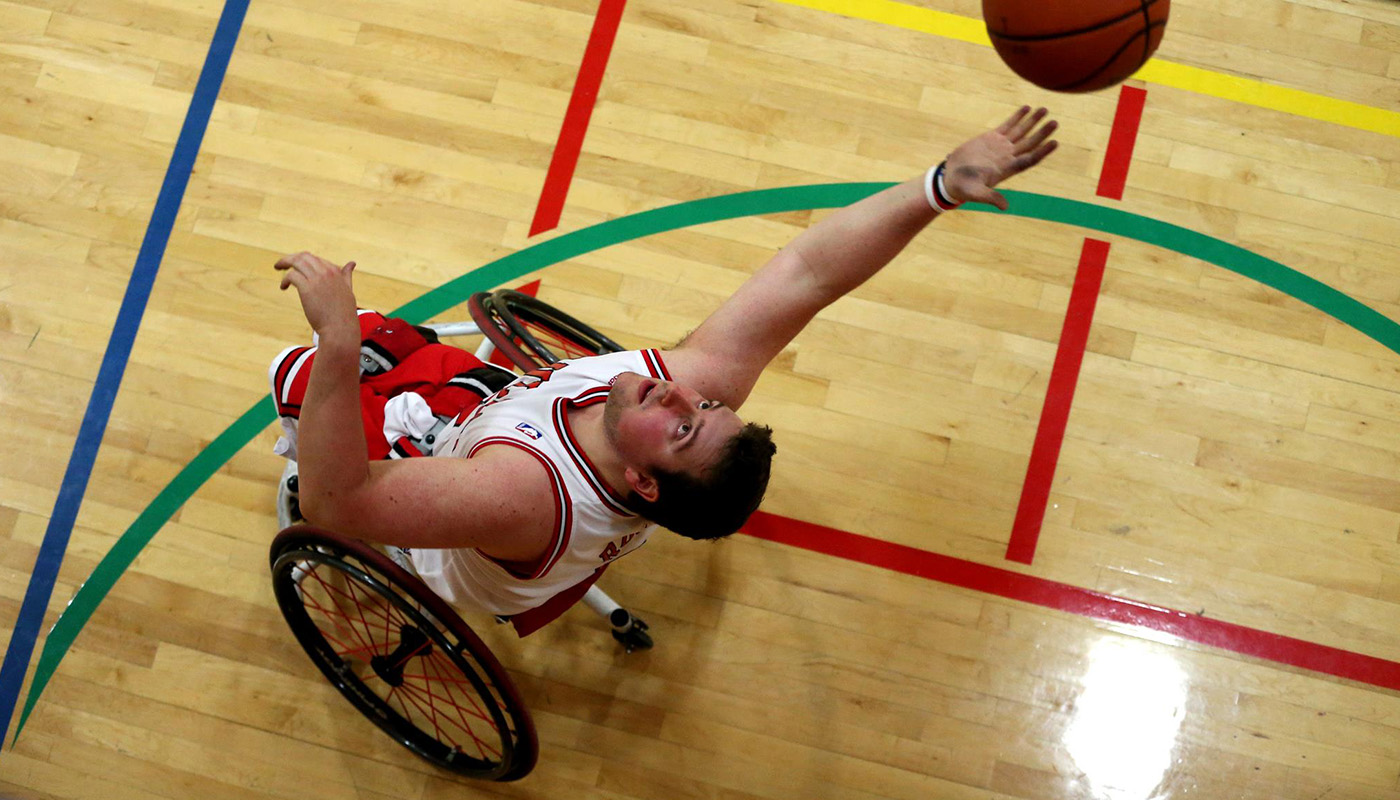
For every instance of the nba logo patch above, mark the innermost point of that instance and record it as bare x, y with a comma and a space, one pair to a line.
529, 430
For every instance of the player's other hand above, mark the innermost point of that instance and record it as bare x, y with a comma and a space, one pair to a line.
1019, 143
326, 289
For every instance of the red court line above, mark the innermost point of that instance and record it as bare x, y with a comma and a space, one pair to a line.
1074, 338
570, 142
1075, 600
1059, 397
1121, 140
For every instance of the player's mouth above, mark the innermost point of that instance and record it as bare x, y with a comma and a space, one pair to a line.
645, 389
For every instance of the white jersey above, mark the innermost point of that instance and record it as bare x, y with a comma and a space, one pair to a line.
593, 526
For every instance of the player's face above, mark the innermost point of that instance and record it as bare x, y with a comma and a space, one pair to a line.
663, 425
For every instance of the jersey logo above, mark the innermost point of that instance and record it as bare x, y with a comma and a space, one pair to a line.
529, 430
614, 549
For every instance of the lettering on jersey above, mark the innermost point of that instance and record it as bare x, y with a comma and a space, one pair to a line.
524, 383
529, 430
614, 549
535, 377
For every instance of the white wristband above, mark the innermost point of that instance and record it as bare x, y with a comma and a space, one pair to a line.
928, 188
935, 191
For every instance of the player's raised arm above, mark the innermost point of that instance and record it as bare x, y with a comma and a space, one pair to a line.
332, 443
723, 358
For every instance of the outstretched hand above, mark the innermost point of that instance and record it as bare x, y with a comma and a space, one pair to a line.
327, 291
1019, 143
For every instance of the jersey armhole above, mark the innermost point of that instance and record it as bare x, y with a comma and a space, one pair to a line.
563, 515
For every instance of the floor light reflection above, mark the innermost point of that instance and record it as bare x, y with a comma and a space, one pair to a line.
1126, 721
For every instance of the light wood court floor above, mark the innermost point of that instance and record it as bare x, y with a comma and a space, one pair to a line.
1232, 452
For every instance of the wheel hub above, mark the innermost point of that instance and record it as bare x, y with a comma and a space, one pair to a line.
412, 643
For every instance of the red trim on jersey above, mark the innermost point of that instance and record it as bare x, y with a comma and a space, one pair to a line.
563, 512
531, 620
655, 365
593, 396
587, 470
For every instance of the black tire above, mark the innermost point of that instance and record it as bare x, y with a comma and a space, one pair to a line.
410, 650
532, 333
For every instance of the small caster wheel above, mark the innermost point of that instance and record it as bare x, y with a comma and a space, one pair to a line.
629, 631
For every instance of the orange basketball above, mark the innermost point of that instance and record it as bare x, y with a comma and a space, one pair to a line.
1075, 45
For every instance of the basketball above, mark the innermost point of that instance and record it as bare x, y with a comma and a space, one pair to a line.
1075, 45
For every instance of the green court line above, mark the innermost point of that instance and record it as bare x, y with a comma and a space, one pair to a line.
1104, 219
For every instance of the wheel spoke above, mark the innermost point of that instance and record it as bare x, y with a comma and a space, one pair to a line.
396, 659
549, 337
335, 615
449, 683
463, 713
349, 596
425, 694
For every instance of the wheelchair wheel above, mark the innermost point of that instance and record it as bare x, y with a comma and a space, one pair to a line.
401, 655
532, 333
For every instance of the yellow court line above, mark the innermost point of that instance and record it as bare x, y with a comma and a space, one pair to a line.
1164, 73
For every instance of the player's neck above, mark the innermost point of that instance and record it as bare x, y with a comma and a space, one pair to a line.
590, 435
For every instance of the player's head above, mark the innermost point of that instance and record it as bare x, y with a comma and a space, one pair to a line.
692, 465
716, 502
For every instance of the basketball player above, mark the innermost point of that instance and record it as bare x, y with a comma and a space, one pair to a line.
540, 484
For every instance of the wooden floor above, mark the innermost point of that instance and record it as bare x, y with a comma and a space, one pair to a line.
1232, 452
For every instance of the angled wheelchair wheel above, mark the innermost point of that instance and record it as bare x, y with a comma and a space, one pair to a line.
401, 655
532, 333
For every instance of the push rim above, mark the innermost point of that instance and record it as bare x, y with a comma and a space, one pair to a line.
532, 333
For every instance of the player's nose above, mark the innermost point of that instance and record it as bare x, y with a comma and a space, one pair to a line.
676, 397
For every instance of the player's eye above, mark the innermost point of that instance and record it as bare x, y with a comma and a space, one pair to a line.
706, 404
683, 429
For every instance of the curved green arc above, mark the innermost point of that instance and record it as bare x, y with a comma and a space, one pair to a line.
1211, 250
766, 201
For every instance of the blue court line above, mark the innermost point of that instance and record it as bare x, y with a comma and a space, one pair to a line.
109, 375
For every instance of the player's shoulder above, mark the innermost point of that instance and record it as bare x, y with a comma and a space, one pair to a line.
514, 487
516, 461
703, 371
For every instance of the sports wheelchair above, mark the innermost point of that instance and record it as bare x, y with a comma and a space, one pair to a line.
397, 651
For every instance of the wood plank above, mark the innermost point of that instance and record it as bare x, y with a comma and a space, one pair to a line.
1231, 449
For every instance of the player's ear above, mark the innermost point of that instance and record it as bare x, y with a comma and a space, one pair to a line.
643, 485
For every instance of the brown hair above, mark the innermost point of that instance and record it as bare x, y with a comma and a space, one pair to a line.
718, 502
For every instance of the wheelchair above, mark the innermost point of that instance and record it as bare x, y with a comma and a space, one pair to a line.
397, 651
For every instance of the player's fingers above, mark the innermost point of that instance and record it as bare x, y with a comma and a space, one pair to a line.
1025, 124
1013, 120
302, 261
1030, 143
1045, 150
1034, 157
